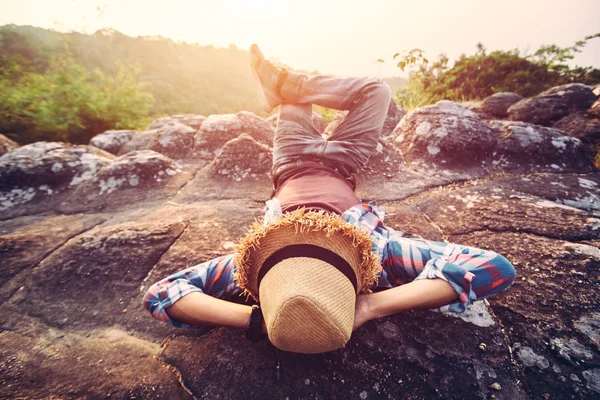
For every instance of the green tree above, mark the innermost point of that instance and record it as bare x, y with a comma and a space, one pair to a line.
68, 102
485, 73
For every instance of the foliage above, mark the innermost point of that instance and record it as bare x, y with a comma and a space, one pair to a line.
67, 102
182, 78
483, 74
328, 114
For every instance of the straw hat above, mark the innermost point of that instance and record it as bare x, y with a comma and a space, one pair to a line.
306, 268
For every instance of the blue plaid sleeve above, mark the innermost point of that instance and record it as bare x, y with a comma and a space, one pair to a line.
473, 273
214, 277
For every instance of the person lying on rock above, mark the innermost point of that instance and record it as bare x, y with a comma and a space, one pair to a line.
314, 261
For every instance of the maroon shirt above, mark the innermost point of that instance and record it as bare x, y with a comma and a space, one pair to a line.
316, 187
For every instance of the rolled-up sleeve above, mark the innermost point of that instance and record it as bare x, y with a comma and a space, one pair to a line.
473, 273
214, 278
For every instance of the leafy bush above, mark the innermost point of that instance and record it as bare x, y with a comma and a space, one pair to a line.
67, 102
182, 77
483, 74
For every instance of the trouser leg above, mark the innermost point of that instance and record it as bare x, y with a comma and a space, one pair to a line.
353, 141
296, 135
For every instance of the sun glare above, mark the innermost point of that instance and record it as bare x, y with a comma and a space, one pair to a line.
258, 7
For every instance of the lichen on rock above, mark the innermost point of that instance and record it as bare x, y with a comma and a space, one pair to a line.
217, 130
143, 169
175, 140
524, 147
43, 169
553, 104
112, 141
445, 136
241, 158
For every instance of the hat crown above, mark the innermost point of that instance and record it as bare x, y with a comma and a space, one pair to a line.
307, 303
308, 306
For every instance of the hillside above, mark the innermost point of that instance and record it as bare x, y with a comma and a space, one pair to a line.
182, 77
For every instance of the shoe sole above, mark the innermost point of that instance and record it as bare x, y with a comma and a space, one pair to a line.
260, 89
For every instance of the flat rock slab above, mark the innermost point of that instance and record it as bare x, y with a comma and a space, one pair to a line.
397, 184
574, 190
91, 279
207, 187
26, 241
551, 311
413, 355
411, 221
103, 364
73, 325
460, 210
212, 230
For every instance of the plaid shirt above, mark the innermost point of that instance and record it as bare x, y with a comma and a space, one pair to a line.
473, 273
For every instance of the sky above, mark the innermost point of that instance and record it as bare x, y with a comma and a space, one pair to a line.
345, 38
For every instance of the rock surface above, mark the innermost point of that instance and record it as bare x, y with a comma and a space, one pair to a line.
243, 157
145, 168
394, 115
217, 130
497, 104
445, 136
172, 136
175, 140
38, 172
553, 104
583, 125
524, 148
112, 141
74, 265
139, 141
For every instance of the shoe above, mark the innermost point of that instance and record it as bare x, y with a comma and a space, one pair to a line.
267, 79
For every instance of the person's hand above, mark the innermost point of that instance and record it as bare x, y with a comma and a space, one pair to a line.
362, 312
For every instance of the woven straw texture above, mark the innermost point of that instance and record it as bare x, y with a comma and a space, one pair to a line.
308, 306
305, 227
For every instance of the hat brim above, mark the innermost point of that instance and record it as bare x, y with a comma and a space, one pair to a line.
305, 227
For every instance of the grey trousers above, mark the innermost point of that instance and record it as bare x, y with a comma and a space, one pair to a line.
354, 140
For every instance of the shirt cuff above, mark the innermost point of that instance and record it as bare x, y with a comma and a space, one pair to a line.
459, 278
167, 295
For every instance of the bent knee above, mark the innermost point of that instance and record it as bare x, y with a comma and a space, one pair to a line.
382, 92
